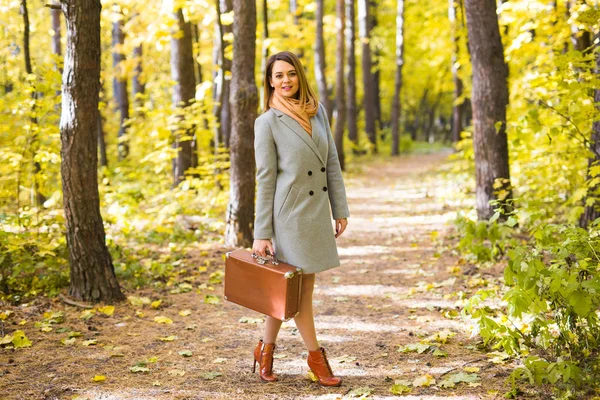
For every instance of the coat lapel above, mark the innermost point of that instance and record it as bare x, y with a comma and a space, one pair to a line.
298, 130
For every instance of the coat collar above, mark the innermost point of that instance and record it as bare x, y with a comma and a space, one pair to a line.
312, 142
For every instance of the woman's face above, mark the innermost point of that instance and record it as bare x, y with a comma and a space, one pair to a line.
284, 79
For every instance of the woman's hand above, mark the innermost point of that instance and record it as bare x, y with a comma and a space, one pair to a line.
260, 246
340, 226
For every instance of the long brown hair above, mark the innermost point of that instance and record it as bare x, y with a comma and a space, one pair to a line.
305, 92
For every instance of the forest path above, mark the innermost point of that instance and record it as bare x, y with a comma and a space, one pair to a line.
399, 284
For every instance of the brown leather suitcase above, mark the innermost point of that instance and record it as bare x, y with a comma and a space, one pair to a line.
267, 286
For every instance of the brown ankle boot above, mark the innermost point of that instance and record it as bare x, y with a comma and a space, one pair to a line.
317, 361
263, 355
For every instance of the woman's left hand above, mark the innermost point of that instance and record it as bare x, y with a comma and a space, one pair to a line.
340, 226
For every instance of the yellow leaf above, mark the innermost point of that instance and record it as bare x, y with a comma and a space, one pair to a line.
168, 338
156, 304
424, 380
185, 313
163, 320
90, 342
99, 378
20, 340
140, 314
153, 359
6, 340
471, 369
156, 383
107, 310
22, 322
87, 314
312, 376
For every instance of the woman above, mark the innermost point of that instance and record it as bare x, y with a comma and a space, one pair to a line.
299, 177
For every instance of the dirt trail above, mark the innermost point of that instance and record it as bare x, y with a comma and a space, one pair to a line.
398, 284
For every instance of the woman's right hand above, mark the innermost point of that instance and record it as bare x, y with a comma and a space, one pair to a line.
260, 246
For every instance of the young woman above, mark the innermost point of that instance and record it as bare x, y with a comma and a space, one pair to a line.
299, 181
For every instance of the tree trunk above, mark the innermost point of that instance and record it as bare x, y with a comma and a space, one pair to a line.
39, 197
265, 51
340, 118
244, 101
490, 98
373, 22
184, 91
396, 110
457, 109
296, 16
225, 116
120, 83
92, 273
138, 86
320, 62
368, 83
101, 141
592, 205
351, 77
56, 45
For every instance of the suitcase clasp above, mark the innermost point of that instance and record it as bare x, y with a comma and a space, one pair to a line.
289, 274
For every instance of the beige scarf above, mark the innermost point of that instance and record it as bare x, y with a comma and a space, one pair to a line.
292, 107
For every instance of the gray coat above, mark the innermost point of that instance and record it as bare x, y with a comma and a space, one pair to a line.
299, 178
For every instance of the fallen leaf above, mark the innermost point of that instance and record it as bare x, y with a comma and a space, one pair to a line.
138, 301
219, 360
424, 380
312, 376
471, 369
156, 383
340, 299
210, 375
19, 340
107, 310
176, 372
6, 339
156, 304
185, 313
440, 353
169, 338
22, 322
139, 368
211, 299
278, 356
68, 342
345, 359
207, 339
440, 337
99, 378
185, 353
400, 387
87, 314
90, 342
163, 320
451, 380
414, 347
361, 392
248, 320
153, 359
73, 334
191, 327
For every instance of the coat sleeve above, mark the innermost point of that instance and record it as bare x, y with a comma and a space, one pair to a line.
335, 182
265, 154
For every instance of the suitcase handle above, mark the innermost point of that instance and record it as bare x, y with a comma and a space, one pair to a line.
263, 260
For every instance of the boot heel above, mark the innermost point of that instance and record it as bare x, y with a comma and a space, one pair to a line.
254, 366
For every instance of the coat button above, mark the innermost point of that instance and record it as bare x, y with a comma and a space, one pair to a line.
324, 188
322, 169
311, 192
309, 172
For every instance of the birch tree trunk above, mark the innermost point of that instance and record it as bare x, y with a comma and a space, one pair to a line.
490, 98
244, 101
92, 271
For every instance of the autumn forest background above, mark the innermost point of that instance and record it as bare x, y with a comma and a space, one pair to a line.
126, 151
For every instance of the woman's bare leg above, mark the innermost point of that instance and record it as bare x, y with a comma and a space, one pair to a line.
305, 321
272, 326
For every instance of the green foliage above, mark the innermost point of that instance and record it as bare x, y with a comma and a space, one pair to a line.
483, 241
550, 317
